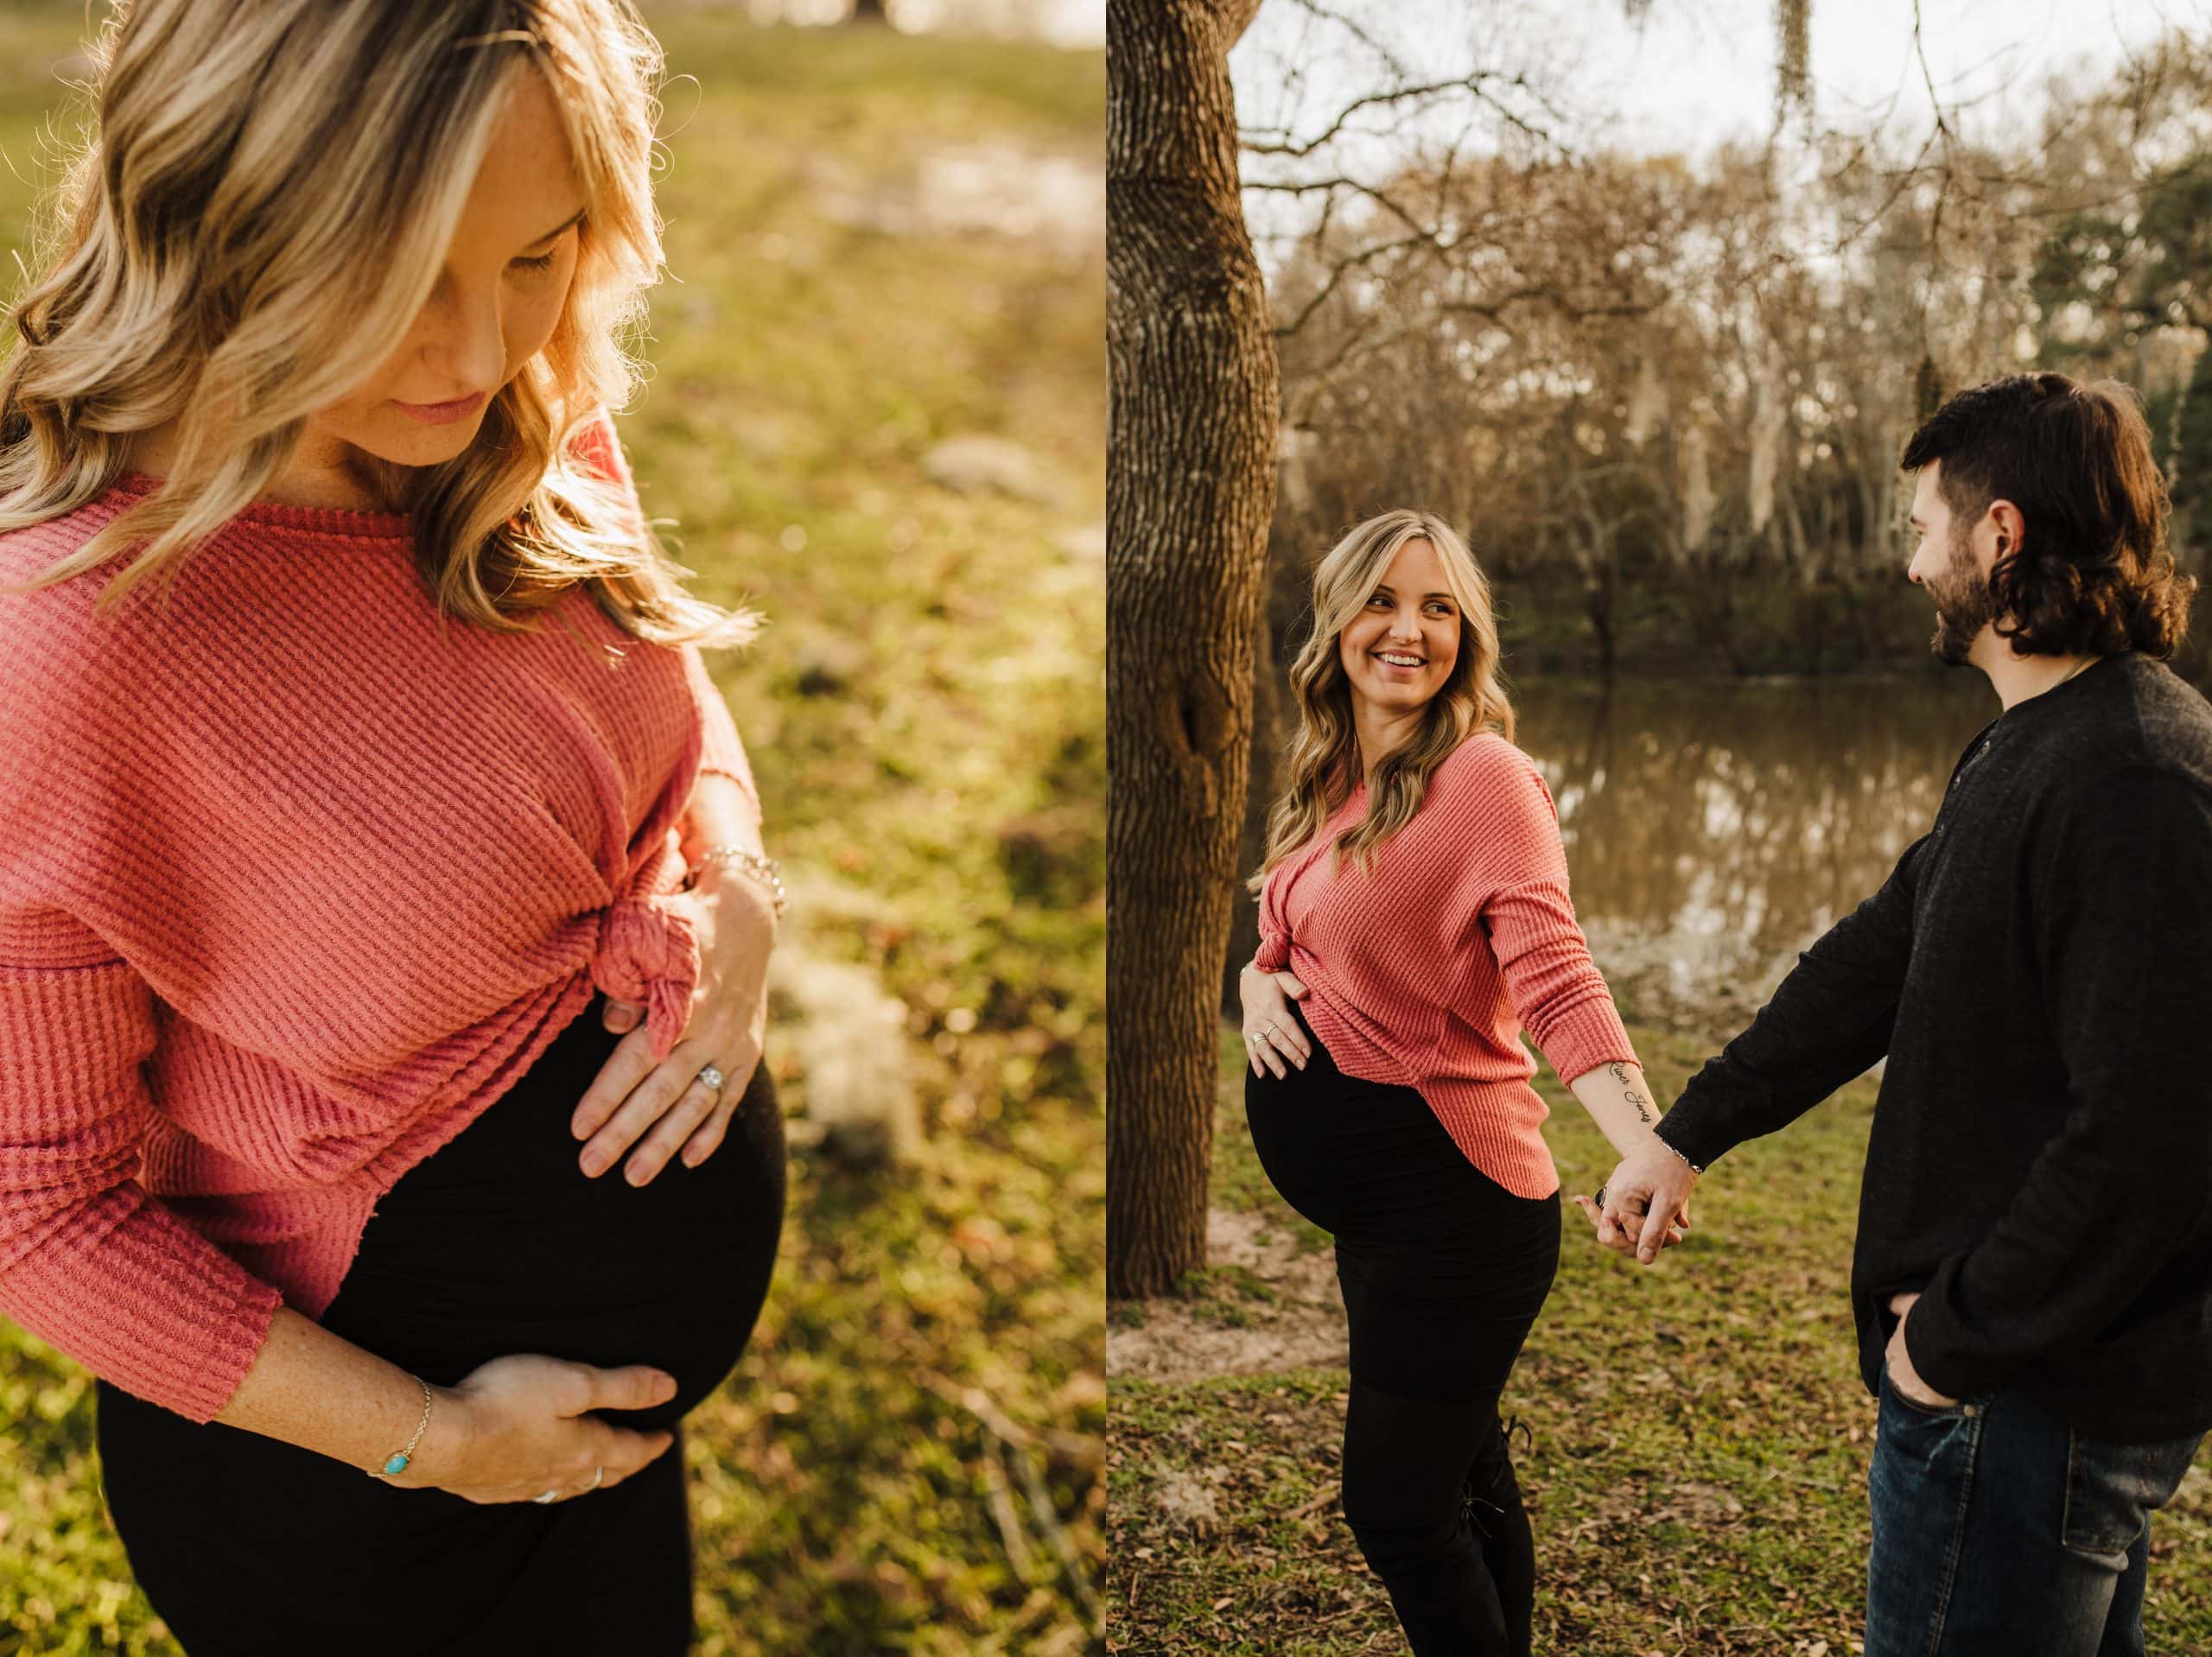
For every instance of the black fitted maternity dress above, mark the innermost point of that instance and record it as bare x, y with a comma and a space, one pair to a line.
498, 1243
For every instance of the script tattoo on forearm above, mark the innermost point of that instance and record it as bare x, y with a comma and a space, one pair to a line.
1642, 1104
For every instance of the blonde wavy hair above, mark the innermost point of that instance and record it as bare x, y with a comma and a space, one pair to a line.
1324, 758
261, 208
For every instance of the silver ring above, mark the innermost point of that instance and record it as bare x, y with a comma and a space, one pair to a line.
550, 1496
713, 1077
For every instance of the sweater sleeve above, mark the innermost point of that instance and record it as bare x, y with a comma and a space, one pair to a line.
1558, 993
89, 1262
1829, 1020
2121, 911
723, 751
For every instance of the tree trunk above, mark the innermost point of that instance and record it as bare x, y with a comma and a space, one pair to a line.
867, 11
1601, 593
1192, 364
1269, 732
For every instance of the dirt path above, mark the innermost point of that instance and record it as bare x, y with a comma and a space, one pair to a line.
1296, 1322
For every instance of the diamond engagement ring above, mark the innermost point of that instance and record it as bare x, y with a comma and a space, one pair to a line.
713, 1077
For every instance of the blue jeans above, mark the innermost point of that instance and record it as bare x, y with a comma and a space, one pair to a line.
1998, 1529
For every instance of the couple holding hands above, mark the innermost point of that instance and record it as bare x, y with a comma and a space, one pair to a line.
2032, 1276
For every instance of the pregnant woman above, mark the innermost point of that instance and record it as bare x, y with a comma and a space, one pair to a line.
1415, 919
381, 1120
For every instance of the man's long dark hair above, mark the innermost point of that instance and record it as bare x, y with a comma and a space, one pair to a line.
2095, 575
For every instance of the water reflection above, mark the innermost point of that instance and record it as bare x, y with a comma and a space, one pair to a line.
1714, 829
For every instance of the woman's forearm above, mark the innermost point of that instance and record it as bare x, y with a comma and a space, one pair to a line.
1619, 1102
719, 812
318, 1390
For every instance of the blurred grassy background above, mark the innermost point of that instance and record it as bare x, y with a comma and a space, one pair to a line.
1696, 1468
881, 243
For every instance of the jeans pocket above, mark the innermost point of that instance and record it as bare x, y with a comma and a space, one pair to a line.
1964, 1409
2112, 1490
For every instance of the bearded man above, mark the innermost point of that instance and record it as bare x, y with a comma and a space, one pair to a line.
2032, 1276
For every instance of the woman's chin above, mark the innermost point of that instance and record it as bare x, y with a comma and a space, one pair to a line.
1388, 698
399, 440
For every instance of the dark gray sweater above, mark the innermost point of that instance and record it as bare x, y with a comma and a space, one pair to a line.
2038, 970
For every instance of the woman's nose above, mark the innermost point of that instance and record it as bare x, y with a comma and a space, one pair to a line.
467, 340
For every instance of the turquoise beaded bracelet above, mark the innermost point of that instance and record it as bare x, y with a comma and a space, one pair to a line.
397, 1463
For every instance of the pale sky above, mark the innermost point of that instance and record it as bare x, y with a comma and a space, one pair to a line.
1697, 71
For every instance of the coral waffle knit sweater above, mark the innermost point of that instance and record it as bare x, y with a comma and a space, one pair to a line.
1424, 973
291, 891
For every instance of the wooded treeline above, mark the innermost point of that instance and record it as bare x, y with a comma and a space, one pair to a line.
1666, 400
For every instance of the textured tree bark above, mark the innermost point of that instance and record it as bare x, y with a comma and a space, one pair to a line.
1284, 588
1190, 492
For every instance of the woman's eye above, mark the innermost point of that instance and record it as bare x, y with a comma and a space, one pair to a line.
544, 262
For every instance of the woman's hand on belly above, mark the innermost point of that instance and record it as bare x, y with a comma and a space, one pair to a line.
665, 1105
1271, 1033
517, 1426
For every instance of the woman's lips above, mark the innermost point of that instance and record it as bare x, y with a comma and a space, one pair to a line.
442, 414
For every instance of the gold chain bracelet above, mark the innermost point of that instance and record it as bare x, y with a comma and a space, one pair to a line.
397, 1462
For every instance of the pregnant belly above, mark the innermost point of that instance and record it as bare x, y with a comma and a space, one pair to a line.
498, 1243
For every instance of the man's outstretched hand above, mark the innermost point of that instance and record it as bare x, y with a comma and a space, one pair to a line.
1647, 1201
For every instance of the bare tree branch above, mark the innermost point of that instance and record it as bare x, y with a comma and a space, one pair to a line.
1474, 83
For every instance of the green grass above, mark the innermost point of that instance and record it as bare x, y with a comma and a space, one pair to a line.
932, 1333
1700, 1437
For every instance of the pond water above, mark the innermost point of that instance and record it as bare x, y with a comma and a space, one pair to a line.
1715, 827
